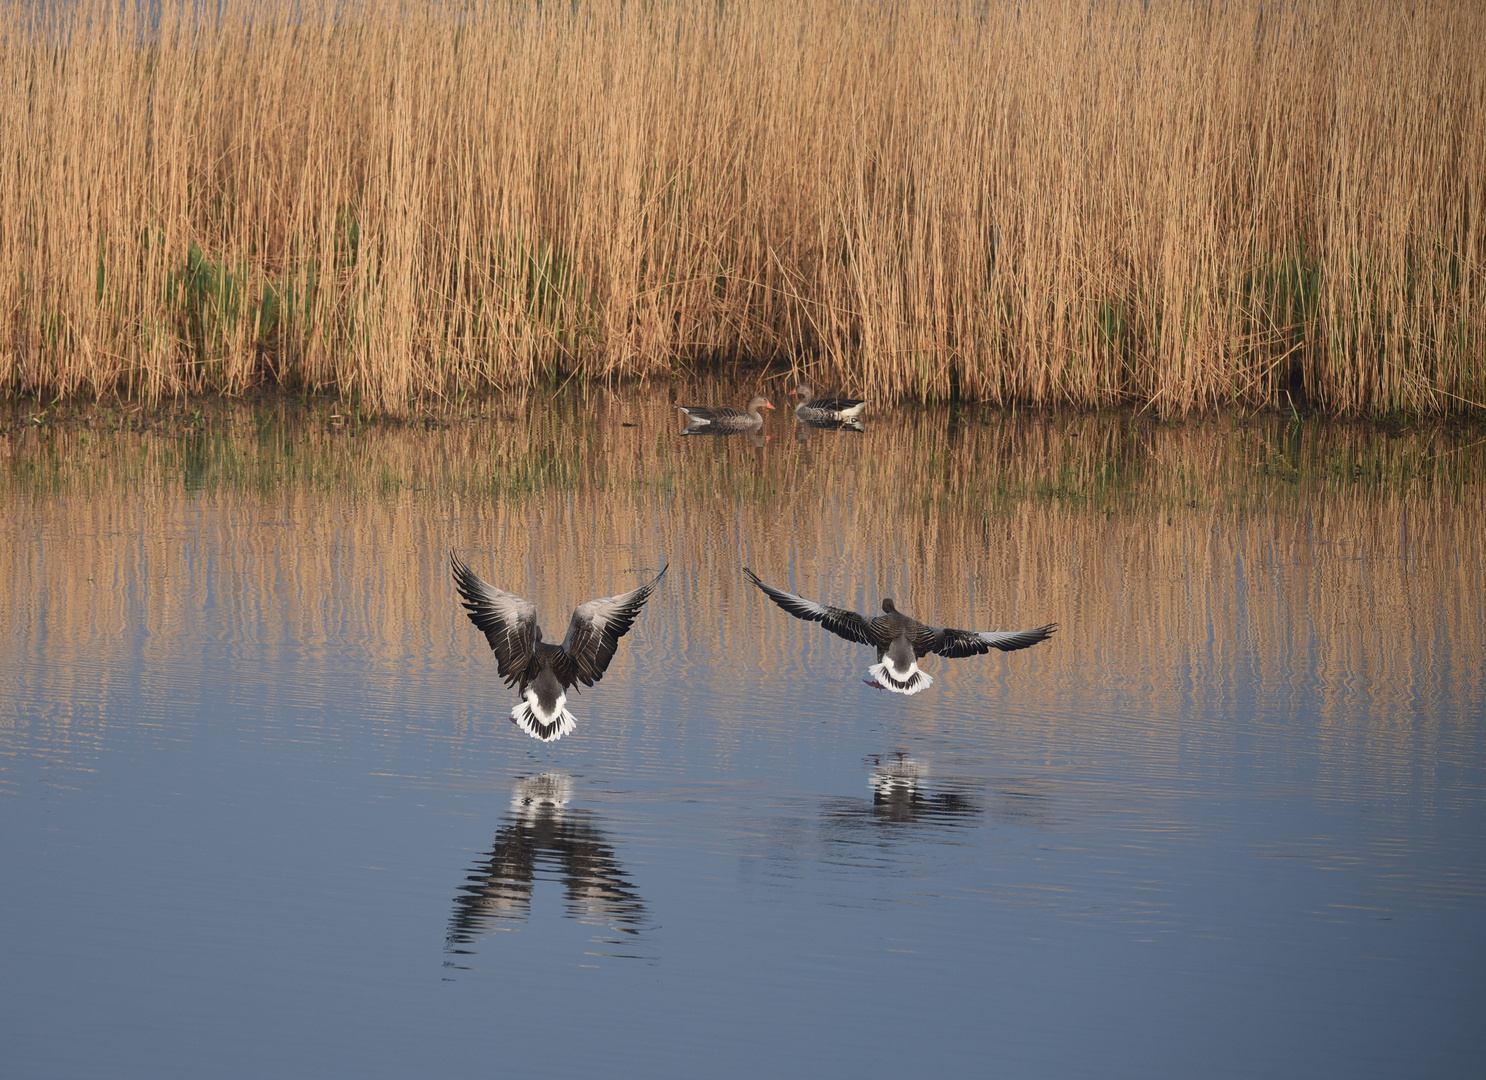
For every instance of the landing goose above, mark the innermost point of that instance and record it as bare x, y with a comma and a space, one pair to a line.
541, 671
704, 421
813, 408
900, 640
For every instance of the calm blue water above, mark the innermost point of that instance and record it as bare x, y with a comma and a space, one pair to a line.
261, 812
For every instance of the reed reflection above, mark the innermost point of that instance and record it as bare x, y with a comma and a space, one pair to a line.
544, 839
1333, 566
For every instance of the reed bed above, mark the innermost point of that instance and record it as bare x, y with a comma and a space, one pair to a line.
1182, 205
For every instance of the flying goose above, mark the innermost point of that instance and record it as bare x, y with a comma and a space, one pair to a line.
900, 640
542, 671
704, 421
812, 408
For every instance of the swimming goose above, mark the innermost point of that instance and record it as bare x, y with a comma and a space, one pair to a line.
543, 672
826, 408
701, 420
900, 640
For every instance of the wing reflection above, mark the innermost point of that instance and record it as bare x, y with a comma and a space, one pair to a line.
542, 839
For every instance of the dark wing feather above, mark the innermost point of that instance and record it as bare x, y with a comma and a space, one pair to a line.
594, 632
953, 643
839, 621
508, 622
721, 412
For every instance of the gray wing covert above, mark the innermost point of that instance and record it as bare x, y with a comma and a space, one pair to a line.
955, 643
839, 621
596, 627
508, 622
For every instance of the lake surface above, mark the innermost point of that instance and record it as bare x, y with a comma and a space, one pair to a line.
262, 811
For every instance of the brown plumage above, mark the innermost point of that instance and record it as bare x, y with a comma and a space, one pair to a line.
543, 672
830, 408
704, 421
899, 639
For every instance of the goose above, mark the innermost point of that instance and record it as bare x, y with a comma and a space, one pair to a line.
540, 670
702, 420
900, 640
812, 408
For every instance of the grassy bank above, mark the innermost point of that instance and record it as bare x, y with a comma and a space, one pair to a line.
1167, 204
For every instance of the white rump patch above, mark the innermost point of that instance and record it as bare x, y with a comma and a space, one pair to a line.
902, 774
910, 683
530, 718
545, 794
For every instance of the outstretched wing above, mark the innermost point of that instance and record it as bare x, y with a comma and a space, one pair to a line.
508, 622
839, 621
952, 643
595, 630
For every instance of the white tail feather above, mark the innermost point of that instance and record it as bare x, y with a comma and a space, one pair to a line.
529, 717
910, 683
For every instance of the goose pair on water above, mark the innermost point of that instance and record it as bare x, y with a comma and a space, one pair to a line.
543, 672
819, 412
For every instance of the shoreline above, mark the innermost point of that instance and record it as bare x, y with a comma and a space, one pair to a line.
20, 412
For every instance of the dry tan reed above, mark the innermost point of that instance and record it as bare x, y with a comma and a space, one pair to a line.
1179, 204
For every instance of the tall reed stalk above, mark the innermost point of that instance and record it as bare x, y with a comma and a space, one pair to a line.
1176, 203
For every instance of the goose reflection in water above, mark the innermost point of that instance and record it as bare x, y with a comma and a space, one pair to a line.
544, 839
806, 427
753, 435
903, 795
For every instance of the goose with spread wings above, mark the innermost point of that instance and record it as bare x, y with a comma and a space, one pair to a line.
900, 640
541, 671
